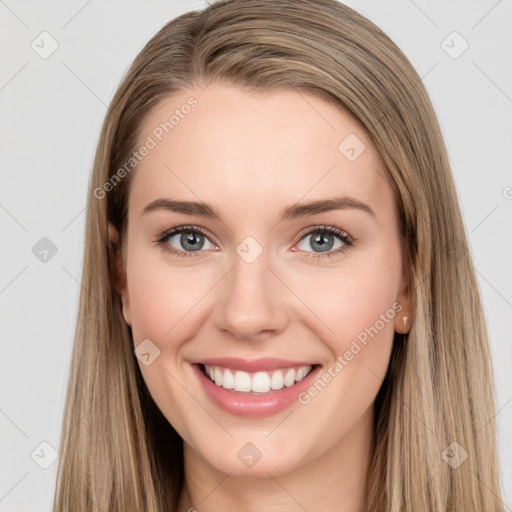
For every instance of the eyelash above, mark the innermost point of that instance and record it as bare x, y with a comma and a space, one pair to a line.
347, 240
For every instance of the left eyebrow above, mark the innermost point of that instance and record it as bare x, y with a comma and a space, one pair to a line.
294, 211
323, 206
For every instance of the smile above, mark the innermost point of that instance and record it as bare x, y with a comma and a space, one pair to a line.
255, 383
255, 388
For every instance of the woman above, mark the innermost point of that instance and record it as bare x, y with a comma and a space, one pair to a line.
279, 310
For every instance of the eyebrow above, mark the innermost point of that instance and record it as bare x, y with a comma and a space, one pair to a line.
290, 212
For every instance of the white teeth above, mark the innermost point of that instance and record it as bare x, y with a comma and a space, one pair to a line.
228, 382
242, 381
277, 380
289, 378
259, 382
218, 377
301, 373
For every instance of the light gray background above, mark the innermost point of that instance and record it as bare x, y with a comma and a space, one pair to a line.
52, 110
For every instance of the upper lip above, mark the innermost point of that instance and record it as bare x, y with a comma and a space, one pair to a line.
252, 365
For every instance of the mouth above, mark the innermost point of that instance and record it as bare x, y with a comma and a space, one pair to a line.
255, 383
254, 388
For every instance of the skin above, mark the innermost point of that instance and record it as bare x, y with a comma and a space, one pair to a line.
251, 155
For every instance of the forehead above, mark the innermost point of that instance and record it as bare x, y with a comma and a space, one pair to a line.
243, 150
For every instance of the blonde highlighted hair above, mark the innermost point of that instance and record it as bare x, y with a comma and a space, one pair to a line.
118, 452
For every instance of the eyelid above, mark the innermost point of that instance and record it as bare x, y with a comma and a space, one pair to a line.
342, 235
176, 230
346, 239
333, 230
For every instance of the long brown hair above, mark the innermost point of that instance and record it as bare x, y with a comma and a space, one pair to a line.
118, 452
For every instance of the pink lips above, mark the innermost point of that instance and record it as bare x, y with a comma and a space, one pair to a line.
254, 405
252, 365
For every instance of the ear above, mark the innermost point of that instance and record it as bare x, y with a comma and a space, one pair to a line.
118, 271
403, 319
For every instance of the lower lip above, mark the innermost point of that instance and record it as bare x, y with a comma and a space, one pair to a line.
241, 404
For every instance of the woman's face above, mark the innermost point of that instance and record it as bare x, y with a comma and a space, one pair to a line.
262, 295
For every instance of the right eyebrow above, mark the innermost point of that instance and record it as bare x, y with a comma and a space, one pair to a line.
186, 207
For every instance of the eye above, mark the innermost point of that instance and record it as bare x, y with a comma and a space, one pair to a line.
190, 238
322, 238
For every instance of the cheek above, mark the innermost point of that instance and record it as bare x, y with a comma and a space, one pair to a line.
161, 295
360, 306
366, 312
162, 301
355, 301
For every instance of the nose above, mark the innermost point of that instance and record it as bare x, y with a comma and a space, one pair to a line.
252, 302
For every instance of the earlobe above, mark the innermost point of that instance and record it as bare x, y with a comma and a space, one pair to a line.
403, 319
113, 234
402, 324
126, 310
118, 272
